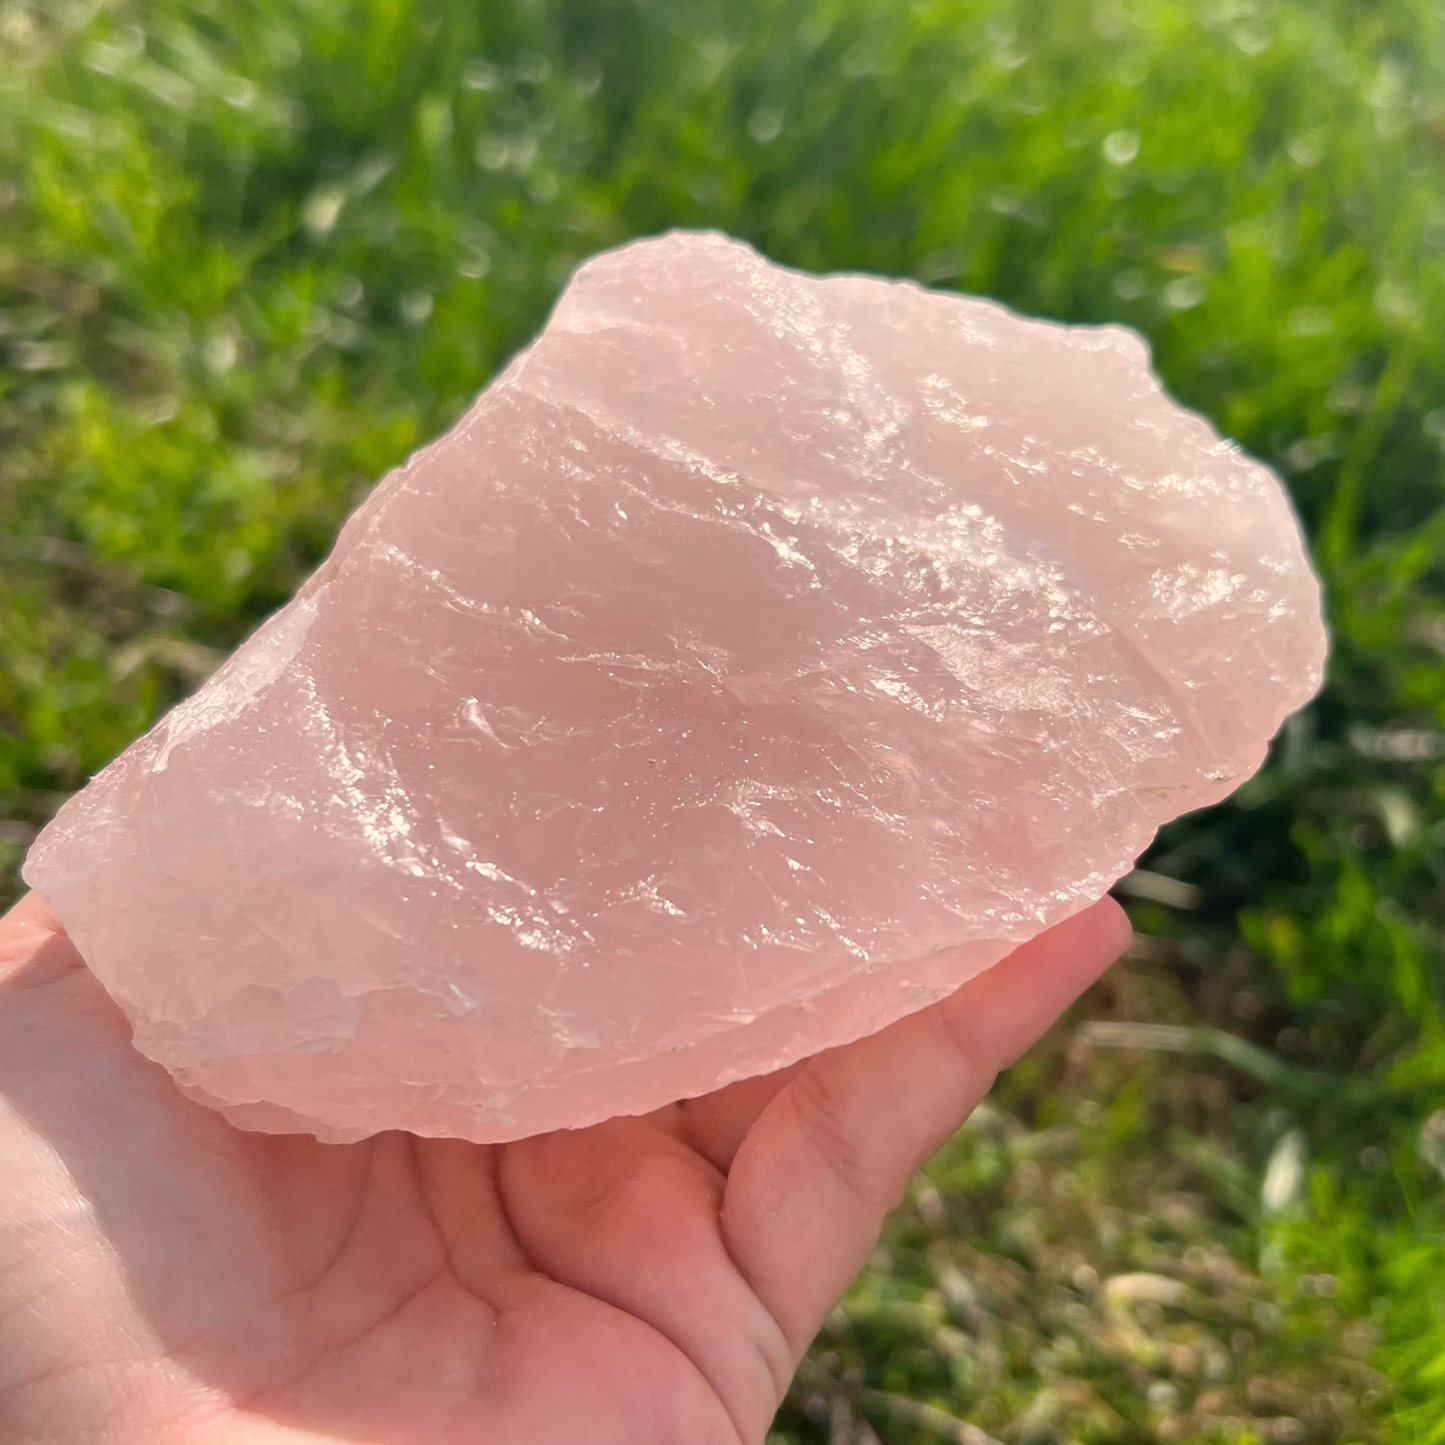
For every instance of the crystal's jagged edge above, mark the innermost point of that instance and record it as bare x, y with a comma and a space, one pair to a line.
860, 1006
761, 656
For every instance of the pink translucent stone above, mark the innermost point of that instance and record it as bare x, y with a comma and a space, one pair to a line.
760, 657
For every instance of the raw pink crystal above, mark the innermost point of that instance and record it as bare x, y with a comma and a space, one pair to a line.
760, 657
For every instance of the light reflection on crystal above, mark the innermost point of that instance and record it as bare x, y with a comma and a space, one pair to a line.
762, 656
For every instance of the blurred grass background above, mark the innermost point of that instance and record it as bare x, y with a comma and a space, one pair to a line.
253, 252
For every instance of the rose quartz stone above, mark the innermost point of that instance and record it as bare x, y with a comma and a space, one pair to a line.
762, 656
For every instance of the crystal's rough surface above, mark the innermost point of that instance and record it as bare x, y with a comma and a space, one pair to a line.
759, 658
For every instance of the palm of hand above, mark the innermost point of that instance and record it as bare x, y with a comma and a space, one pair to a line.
166, 1278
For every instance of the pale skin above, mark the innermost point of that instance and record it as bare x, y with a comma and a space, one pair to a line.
166, 1279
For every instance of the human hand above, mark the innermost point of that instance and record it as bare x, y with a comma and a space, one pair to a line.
166, 1279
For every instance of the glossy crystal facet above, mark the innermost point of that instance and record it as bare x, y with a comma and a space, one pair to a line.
759, 658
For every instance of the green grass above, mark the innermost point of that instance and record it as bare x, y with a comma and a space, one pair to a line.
252, 252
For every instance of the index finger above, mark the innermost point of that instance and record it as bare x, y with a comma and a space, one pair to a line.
834, 1150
